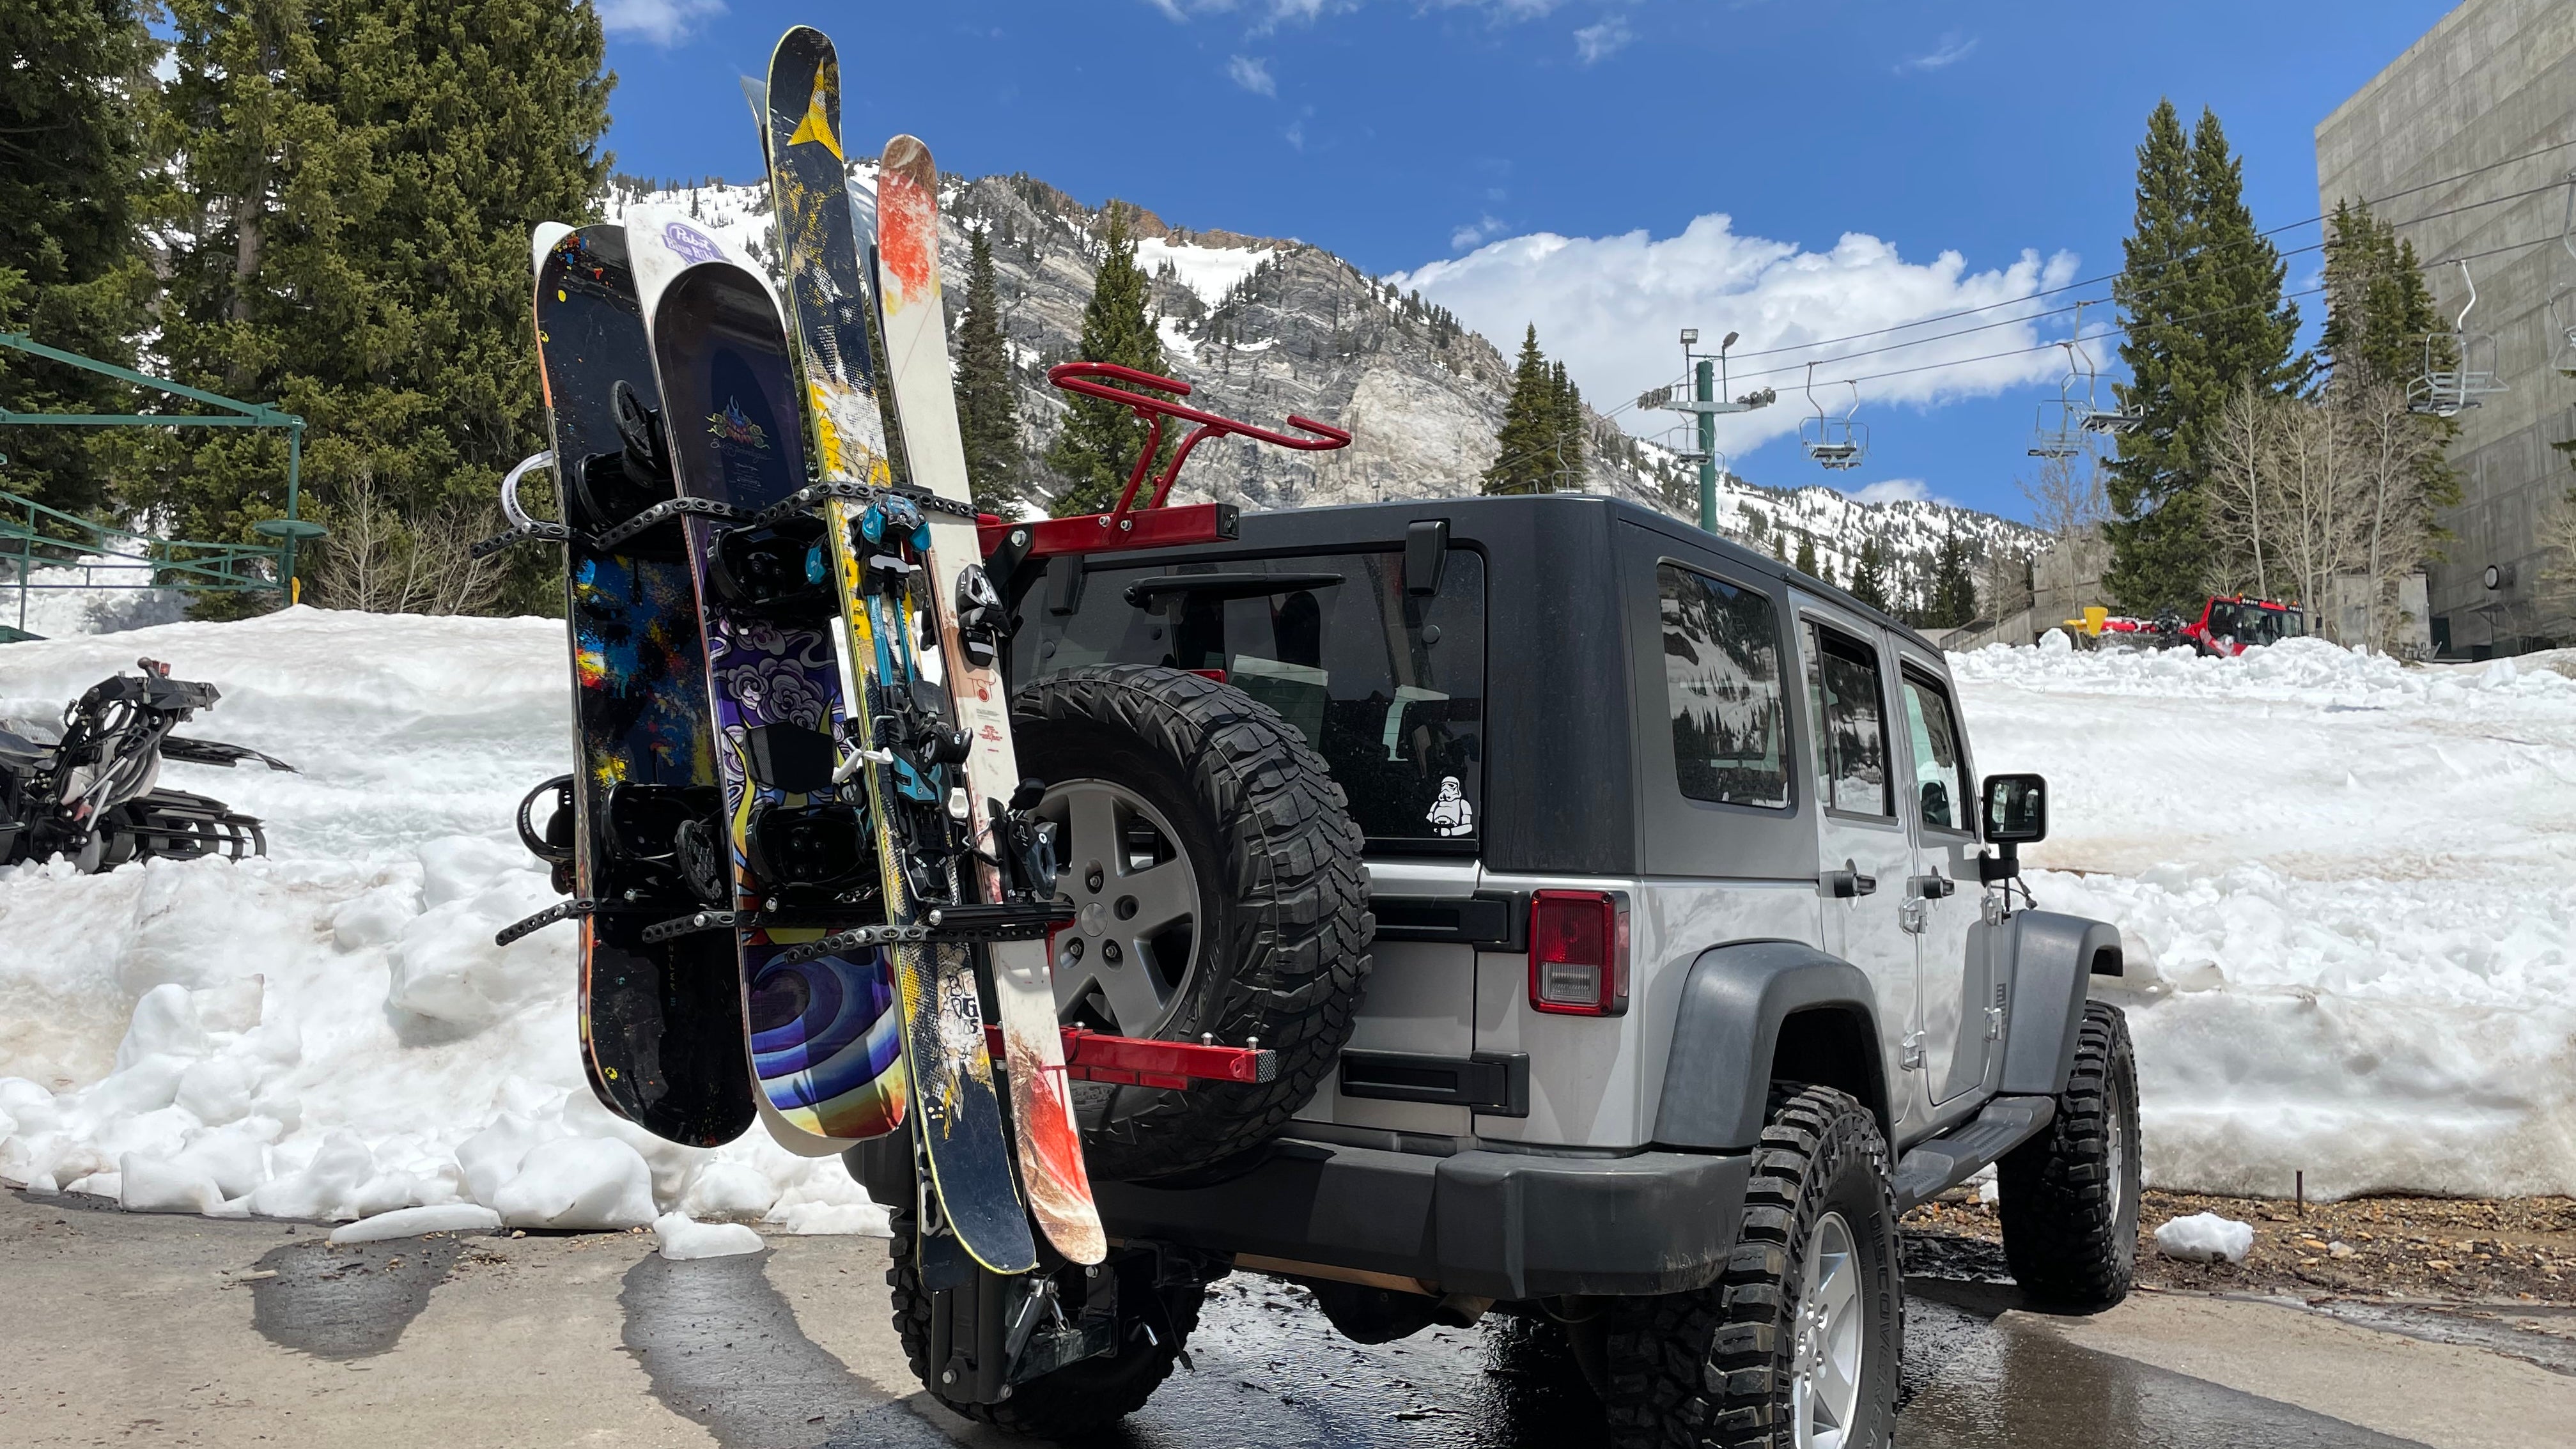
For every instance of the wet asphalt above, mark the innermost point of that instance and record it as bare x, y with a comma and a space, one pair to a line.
258, 1332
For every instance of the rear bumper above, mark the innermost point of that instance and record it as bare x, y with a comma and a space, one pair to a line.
1488, 1224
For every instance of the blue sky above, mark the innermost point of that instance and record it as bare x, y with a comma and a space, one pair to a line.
1790, 169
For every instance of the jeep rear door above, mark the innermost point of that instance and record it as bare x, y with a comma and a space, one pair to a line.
1866, 852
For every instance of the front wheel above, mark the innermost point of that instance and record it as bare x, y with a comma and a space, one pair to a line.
1798, 1341
2070, 1194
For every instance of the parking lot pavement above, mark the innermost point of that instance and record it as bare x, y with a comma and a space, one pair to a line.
118, 1329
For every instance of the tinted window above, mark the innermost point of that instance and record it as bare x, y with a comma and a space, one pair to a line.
1722, 684
1940, 778
1388, 686
1846, 703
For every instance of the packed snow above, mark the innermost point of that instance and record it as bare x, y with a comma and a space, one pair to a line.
1211, 272
2344, 883
2205, 1238
330, 1033
2346, 892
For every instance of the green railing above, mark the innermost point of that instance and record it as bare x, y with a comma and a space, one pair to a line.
48, 538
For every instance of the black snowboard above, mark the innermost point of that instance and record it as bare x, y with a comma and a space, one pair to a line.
661, 1025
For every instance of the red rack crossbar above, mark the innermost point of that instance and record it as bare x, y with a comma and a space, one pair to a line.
1127, 1061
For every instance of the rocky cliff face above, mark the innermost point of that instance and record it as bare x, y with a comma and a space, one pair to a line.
1265, 327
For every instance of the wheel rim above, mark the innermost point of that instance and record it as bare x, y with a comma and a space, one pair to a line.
2115, 1149
1825, 1366
1131, 957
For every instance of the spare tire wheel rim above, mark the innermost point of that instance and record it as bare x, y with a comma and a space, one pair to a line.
1825, 1368
1132, 956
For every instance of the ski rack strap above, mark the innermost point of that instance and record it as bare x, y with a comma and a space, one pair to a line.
943, 924
804, 500
664, 512
1128, 1061
523, 529
559, 911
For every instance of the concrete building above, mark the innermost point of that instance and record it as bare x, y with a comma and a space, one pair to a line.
2493, 81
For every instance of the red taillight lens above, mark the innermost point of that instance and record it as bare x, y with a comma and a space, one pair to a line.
1578, 953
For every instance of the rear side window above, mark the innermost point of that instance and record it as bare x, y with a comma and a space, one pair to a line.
1722, 684
1387, 686
1940, 776
1850, 714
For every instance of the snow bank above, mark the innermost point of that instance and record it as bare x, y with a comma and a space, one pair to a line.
330, 1033
2205, 1238
97, 596
452, 1217
2346, 888
683, 1238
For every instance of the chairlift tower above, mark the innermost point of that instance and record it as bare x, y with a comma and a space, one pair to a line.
1704, 379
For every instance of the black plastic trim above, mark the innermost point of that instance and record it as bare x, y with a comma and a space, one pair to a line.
1494, 1083
1487, 920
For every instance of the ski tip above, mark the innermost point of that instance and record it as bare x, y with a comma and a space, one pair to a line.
542, 241
906, 156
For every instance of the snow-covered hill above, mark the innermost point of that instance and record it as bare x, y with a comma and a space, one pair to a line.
2346, 886
1263, 327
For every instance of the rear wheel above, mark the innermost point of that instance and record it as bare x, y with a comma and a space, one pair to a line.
1797, 1342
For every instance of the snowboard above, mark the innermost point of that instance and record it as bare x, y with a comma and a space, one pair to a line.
660, 1023
911, 745
1050, 1139
824, 1040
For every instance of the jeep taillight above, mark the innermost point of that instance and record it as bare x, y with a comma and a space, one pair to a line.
1578, 953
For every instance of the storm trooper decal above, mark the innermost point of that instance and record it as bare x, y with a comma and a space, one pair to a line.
1451, 814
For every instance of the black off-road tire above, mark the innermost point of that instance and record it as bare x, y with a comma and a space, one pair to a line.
1284, 930
1075, 1400
1710, 1368
2070, 1194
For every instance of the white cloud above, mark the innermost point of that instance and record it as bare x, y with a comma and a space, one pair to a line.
658, 22
1593, 42
1952, 49
1475, 233
1611, 306
1253, 74
1895, 490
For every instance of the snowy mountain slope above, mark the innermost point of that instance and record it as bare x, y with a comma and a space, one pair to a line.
2344, 884
1264, 327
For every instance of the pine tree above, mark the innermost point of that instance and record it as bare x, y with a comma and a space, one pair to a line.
363, 176
1533, 426
2379, 317
2201, 299
988, 409
1868, 583
1100, 441
1954, 590
1566, 468
1807, 557
72, 269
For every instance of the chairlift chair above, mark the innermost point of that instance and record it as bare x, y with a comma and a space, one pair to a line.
1834, 442
2096, 418
2562, 298
2060, 432
2459, 365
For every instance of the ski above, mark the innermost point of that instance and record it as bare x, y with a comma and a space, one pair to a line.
917, 364
823, 1037
910, 745
660, 1022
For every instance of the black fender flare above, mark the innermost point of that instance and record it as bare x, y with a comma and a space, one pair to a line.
1717, 1078
2054, 957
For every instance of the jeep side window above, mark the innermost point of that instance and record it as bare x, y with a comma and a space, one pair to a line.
1939, 780
1850, 722
1722, 684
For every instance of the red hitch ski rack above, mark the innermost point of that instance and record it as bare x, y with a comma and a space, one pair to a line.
1149, 524
1129, 1061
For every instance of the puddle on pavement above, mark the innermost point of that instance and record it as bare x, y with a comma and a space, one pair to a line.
347, 1302
721, 1347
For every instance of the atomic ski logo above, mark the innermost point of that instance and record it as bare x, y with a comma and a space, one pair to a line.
730, 426
692, 244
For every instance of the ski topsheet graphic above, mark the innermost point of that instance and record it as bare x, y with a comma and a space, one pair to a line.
824, 1041
661, 1023
1050, 1140
910, 745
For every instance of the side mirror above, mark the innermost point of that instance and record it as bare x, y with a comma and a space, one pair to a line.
2016, 809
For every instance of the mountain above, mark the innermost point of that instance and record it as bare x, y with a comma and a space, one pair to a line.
1262, 327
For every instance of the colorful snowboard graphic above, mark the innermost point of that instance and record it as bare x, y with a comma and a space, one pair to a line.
661, 1024
1050, 1139
824, 1037
875, 543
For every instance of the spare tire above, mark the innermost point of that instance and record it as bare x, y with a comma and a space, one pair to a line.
1216, 874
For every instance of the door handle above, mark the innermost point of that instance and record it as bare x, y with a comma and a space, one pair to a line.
1848, 882
1933, 887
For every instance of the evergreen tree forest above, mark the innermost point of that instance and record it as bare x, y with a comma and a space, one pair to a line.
988, 411
1097, 449
2200, 298
1540, 446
